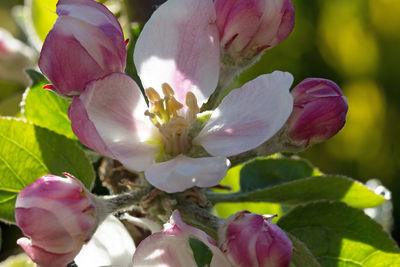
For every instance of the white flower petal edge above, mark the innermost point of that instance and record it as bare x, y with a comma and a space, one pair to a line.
116, 107
170, 248
179, 45
111, 245
181, 173
248, 116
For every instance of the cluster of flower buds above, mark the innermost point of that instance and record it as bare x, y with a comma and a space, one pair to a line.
84, 56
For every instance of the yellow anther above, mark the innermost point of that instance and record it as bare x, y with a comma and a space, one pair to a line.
191, 102
149, 114
167, 89
152, 94
174, 105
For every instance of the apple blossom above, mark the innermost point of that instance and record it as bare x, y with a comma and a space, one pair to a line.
248, 27
86, 43
251, 240
170, 248
58, 215
319, 112
177, 56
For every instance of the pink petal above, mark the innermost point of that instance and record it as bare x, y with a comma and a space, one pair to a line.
43, 257
180, 45
181, 173
66, 63
248, 116
115, 106
84, 129
97, 15
170, 248
44, 229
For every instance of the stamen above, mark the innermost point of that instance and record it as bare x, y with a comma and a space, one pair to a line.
152, 95
167, 90
191, 102
172, 124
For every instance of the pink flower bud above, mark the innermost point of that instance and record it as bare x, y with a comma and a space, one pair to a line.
58, 215
86, 43
319, 112
248, 27
250, 240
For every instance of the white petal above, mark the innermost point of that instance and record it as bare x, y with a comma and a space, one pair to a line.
180, 45
181, 173
171, 248
248, 116
111, 245
116, 107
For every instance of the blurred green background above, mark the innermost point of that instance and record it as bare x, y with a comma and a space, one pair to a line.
352, 42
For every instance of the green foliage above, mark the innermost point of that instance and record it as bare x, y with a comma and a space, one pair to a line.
45, 108
266, 172
202, 254
28, 152
43, 16
284, 181
301, 257
339, 235
226, 209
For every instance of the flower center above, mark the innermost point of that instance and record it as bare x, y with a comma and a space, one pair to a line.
172, 123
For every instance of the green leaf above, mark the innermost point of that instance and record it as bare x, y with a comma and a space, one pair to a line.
202, 254
302, 256
45, 108
266, 172
28, 152
20, 260
338, 188
43, 13
339, 235
224, 210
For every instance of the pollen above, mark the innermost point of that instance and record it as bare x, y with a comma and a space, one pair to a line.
168, 116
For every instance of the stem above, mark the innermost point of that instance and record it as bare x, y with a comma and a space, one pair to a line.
227, 198
200, 217
121, 202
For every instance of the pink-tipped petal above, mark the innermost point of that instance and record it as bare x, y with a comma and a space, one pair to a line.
43, 257
115, 106
249, 239
84, 129
179, 45
171, 248
248, 116
181, 173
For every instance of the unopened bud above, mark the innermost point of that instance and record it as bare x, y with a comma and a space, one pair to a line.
86, 43
249, 239
248, 27
58, 215
319, 112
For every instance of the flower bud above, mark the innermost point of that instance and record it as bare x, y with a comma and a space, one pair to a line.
86, 43
251, 240
15, 56
319, 112
58, 215
248, 27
